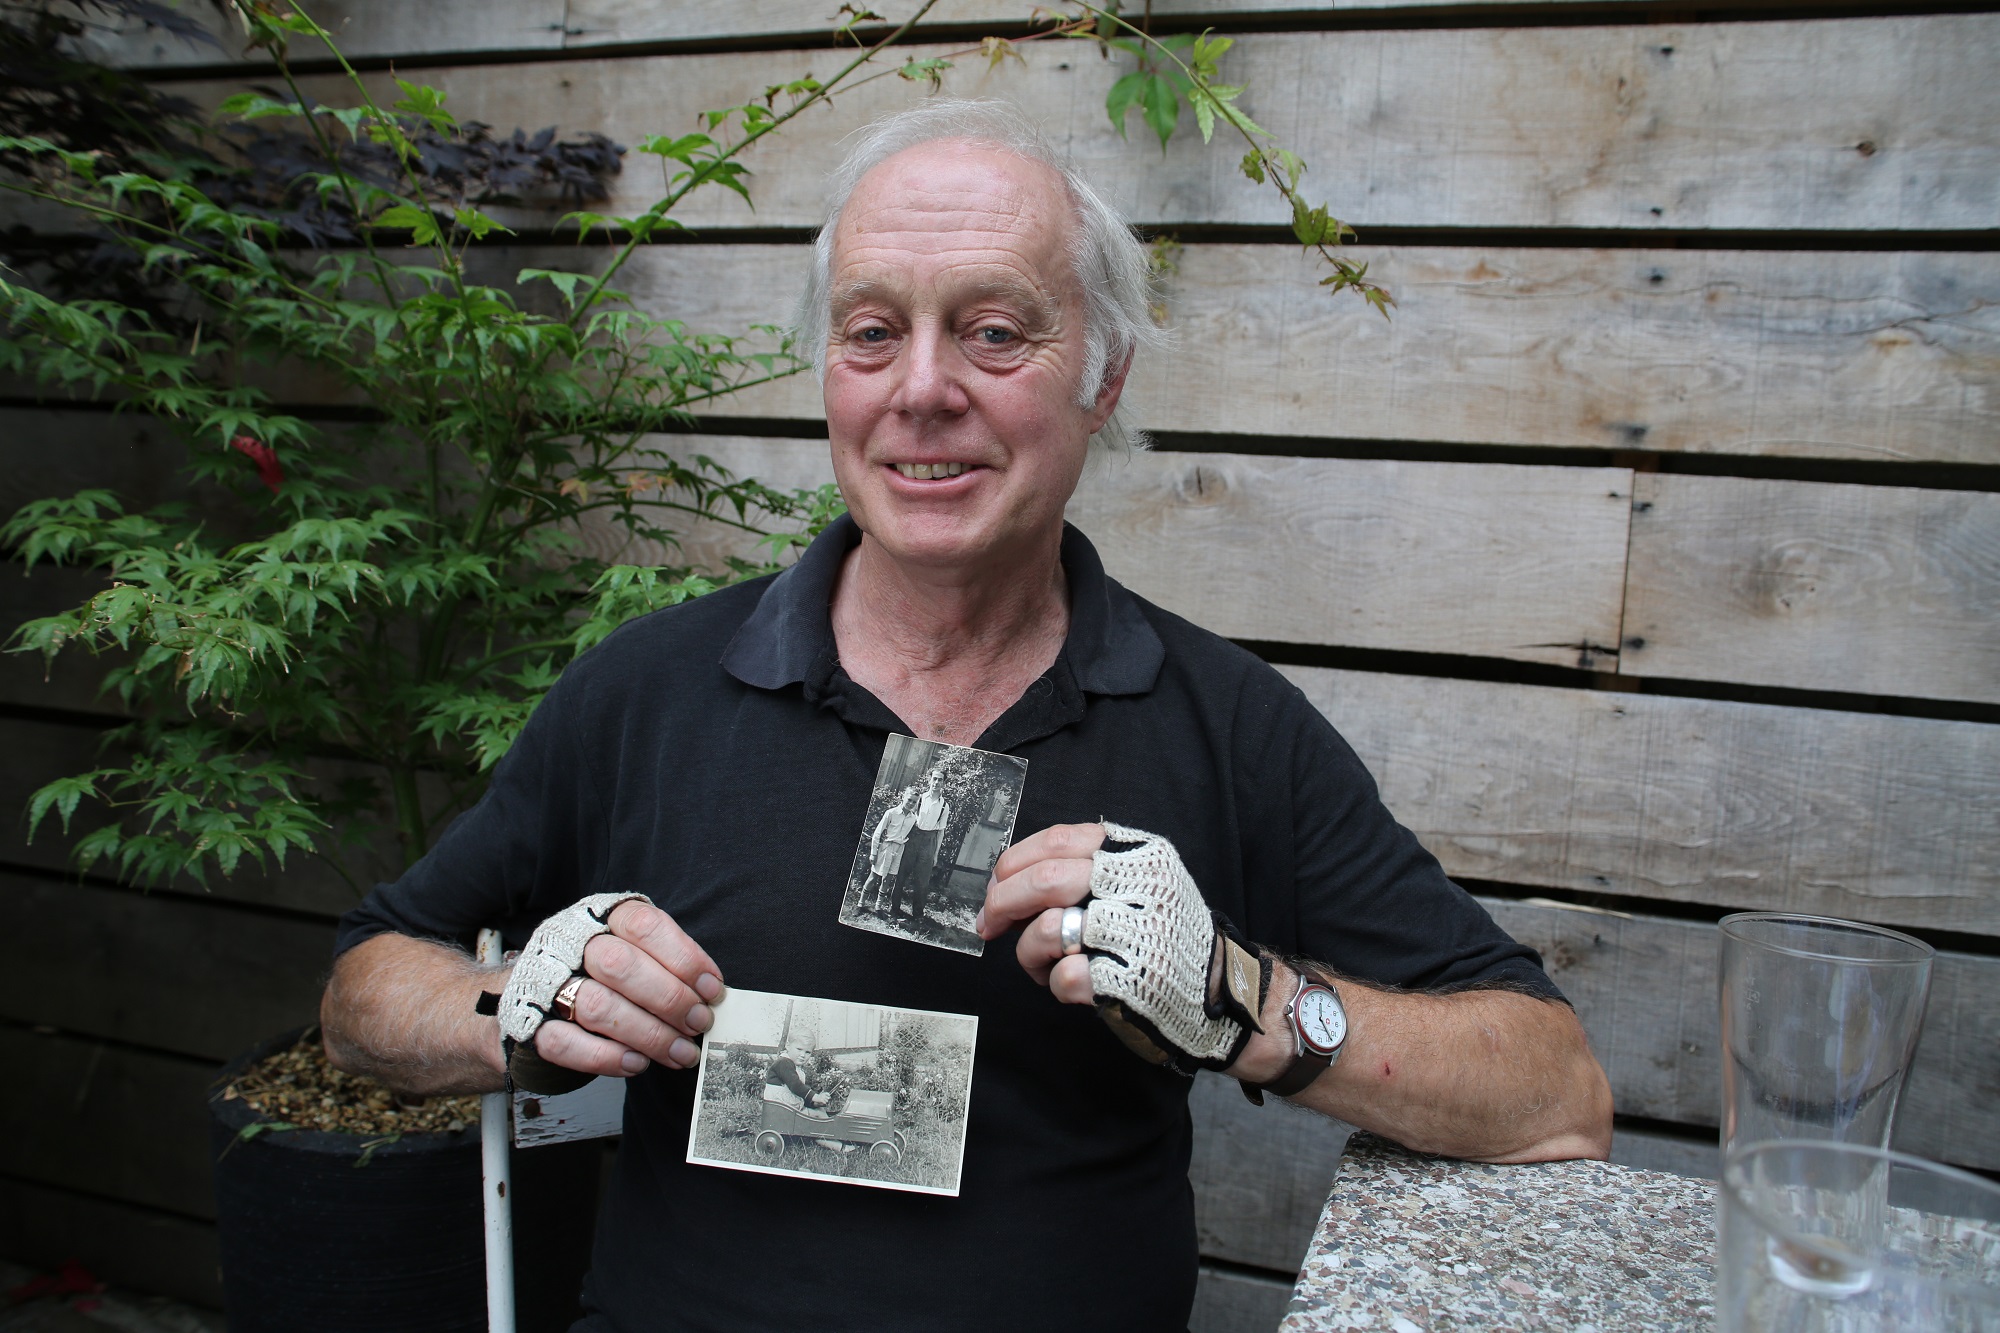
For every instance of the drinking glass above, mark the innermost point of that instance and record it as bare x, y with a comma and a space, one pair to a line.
1843, 1238
1819, 1021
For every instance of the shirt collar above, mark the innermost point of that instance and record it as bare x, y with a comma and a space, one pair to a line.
788, 639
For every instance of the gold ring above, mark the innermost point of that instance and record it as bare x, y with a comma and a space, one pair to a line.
564, 1005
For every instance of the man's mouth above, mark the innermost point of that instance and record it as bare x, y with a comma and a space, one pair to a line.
930, 471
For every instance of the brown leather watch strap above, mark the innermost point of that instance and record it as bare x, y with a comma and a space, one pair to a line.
1304, 1071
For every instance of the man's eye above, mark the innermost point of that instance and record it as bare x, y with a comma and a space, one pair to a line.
996, 337
875, 334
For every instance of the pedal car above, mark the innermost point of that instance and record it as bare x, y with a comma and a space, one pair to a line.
865, 1120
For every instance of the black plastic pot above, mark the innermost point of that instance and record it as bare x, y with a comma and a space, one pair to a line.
315, 1241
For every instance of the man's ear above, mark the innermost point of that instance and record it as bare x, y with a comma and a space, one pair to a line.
1108, 396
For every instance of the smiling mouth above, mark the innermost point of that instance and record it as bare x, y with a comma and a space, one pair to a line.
931, 471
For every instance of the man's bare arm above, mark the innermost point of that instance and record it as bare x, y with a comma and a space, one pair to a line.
1490, 1075
403, 1010
1493, 1076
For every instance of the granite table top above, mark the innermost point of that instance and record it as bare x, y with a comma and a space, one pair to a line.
1416, 1244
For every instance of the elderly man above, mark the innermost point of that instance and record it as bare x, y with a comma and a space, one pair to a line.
976, 309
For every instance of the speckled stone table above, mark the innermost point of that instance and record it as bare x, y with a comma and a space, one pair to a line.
1416, 1244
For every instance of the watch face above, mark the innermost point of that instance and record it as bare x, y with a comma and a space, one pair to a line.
1321, 1020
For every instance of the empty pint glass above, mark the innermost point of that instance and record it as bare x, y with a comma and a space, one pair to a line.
1842, 1238
1819, 1021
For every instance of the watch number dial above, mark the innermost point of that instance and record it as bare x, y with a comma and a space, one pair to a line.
1322, 1021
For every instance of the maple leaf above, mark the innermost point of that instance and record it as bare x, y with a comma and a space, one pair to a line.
264, 456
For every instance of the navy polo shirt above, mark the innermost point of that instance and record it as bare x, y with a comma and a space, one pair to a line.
716, 757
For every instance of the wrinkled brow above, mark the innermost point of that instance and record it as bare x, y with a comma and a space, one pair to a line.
1039, 308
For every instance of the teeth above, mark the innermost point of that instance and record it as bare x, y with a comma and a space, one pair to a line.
930, 471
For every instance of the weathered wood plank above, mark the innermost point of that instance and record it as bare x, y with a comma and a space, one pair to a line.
1430, 557
1435, 557
1260, 1175
1645, 988
1806, 354
1871, 589
1891, 357
106, 1120
374, 28
1863, 124
55, 451
142, 1250
155, 970
362, 28
1738, 805
599, 22
1231, 1302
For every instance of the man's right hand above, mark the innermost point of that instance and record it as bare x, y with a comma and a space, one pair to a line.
647, 999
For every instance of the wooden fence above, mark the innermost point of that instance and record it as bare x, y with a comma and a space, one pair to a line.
1650, 556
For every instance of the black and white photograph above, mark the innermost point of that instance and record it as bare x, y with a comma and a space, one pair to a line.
939, 817
859, 1093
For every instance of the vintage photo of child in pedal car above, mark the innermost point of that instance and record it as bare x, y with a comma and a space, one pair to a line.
861, 1093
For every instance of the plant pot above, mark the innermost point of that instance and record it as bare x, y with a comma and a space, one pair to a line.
314, 1240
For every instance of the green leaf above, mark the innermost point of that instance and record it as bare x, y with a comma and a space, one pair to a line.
1162, 108
1124, 95
566, 283
251, 1131
681, 149
427, 103
257, 1127
257, 106
422, 226
63, 794
479, 224
930, 70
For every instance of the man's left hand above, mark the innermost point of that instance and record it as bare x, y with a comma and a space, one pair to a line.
1033, 881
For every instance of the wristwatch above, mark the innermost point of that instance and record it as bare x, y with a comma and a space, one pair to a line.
1319, 1027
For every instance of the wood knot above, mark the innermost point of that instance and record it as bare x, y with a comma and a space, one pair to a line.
1866, 148
1203, 484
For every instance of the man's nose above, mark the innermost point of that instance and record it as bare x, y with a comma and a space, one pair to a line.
930, 371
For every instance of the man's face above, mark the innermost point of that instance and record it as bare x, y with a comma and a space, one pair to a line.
956, 350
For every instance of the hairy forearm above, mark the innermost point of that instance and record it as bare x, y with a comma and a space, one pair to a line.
1488, 1075
404, 1011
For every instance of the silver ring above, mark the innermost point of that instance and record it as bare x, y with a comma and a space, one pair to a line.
1072, 930
564, 1004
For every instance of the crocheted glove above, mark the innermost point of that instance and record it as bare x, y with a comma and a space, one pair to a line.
1173, 979
554, 955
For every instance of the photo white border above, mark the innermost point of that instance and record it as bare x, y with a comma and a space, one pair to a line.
701, 1085
849, 913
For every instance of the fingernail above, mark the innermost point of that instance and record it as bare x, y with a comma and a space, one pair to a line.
701, 1018
979, 923
708, 986
684, 1052
632, 1062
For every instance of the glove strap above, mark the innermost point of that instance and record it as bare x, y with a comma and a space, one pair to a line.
1239, 977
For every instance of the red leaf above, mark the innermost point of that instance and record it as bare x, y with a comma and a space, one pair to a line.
264, 456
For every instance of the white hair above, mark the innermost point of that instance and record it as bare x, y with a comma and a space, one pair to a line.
1111, 264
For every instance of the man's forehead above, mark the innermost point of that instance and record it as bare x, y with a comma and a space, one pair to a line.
951, 194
